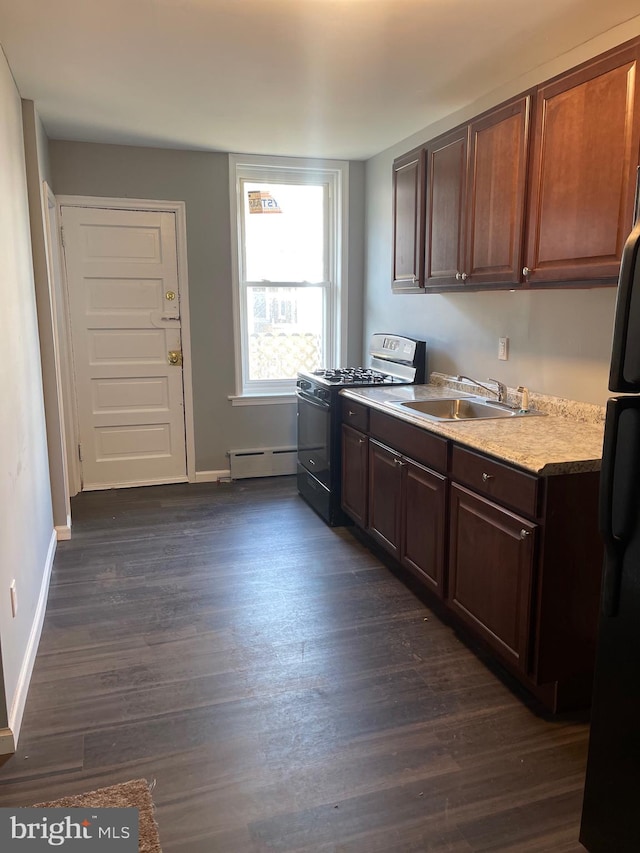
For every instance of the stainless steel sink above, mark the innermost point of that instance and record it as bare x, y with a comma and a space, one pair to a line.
461, 409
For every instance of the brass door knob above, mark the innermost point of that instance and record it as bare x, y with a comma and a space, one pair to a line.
174, 356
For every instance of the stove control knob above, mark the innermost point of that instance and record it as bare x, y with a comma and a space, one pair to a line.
303, 384
322, 393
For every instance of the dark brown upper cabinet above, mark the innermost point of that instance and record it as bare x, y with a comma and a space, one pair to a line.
537, 192
498, 155
475, 199
446, 166
408, 222
582, 184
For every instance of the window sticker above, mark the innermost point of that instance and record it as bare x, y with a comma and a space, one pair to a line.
261, 201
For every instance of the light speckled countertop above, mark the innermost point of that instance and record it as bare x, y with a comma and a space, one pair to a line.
554, 444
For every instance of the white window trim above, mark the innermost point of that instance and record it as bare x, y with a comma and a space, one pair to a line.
262, 168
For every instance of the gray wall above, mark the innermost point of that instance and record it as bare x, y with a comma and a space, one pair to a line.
26, 522
559, 341
201, 180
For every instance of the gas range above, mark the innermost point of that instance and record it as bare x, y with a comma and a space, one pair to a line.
393, 360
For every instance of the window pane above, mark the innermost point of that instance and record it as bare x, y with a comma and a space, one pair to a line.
285, 330
284, 232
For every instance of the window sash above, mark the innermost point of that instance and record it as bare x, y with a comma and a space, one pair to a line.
332, 175
281, 385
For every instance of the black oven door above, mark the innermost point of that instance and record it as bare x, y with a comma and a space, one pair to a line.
314, 436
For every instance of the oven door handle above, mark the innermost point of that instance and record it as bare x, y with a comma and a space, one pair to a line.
314, 401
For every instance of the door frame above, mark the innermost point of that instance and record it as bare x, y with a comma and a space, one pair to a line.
61, 331
178, 208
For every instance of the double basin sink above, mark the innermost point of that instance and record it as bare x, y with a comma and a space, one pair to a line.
461, 409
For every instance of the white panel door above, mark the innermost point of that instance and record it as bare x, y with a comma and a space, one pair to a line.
122, 275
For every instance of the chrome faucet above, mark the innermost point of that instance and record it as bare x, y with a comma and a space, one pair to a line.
501, 392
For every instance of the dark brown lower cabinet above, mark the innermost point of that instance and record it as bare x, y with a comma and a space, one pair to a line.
407, 509
515, 557
423, 528
385, 496
355, 470
491, 554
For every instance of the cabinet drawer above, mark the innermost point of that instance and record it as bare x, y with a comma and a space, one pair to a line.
418, 444
355, 415
501, 482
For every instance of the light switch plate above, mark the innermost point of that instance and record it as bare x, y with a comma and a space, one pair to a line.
503, 349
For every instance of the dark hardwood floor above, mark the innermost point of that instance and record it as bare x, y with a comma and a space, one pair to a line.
282, 687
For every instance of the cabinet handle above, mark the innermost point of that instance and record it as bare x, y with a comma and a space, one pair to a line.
526, 272
351, 414
524, 533
398, 462
487, 477
464, 276
361, 440
458, 277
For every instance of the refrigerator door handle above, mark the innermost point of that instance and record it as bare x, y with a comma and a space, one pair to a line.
619, 492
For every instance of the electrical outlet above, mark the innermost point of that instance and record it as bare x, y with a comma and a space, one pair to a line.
14, 598
503, 349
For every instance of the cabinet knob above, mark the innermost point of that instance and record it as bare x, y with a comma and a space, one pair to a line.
526, 272
464, 276
361, 440
487, 477
398, 462
524, 533
351, 414
458, 276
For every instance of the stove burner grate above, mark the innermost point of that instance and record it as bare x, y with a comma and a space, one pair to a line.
347, 375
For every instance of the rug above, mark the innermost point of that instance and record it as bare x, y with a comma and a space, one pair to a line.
135, 794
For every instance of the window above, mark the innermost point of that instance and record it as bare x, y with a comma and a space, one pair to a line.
289, 226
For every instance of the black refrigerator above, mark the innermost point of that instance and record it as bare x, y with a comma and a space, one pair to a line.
611, 806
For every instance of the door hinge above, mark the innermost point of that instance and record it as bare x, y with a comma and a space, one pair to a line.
80, 452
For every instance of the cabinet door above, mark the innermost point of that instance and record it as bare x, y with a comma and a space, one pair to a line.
445, 209
585, 153
498, 153
422, 550
491, 553
355, 474
385, 496
408, 222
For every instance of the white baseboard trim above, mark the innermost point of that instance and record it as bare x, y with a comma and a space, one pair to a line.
24, 679
7, 742
63, 531
212, 476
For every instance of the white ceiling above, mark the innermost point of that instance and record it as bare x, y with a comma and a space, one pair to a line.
333, 78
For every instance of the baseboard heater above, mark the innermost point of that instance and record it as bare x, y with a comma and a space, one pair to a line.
262, 462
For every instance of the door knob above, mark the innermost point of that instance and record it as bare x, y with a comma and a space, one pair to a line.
174, 356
